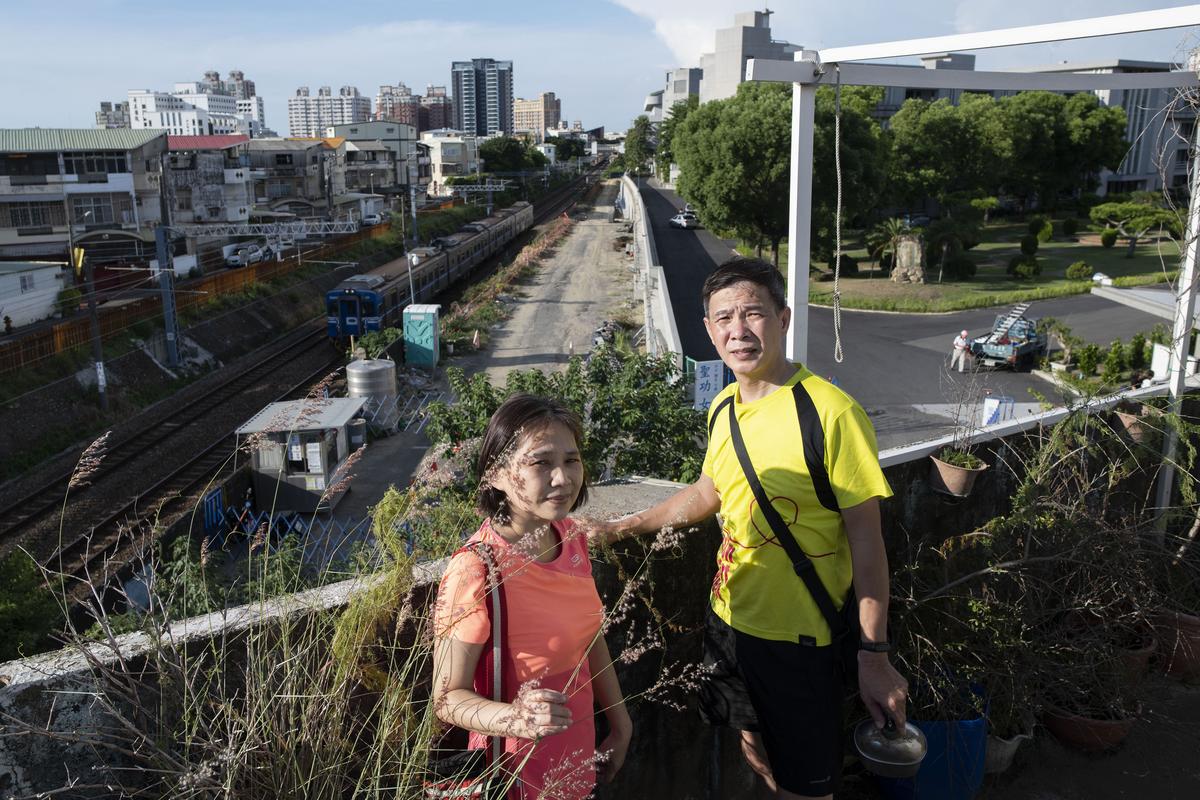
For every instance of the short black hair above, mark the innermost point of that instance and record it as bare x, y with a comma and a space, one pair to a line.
741, 268
520, 414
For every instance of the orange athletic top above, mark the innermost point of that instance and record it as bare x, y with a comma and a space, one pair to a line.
553, 616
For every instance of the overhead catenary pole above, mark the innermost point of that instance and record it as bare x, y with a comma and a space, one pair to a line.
94, 322
166, 269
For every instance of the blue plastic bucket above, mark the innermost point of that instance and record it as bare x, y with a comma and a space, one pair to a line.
953, 766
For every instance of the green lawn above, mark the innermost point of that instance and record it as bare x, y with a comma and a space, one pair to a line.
1153, 262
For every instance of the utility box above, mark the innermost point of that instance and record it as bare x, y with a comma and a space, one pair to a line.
421, 341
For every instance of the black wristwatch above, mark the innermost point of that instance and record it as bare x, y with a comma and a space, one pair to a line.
875, 647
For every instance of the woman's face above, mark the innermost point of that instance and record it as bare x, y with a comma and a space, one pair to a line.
543, 476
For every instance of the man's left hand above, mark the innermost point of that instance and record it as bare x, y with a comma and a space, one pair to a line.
884, 690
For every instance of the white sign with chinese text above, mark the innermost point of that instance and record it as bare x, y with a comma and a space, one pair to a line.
710, 380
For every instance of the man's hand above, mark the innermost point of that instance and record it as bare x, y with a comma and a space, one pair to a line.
603, 532
611, 753
884, 691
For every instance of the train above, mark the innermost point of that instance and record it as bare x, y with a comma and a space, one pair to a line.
373, 301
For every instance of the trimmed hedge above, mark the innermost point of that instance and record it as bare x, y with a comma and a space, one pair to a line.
1080, 271
1029, 245
1108, 237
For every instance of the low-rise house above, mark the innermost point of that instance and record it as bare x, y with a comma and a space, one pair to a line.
28, 291
209, 179
297, 175
106, 181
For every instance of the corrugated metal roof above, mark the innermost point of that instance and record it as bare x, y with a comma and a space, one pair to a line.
51, 140
293, 416
216, 142
285, 144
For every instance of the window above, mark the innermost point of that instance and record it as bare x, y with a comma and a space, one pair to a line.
29, 164
283, 159
101, 209
98, 162
26, 283
31, 214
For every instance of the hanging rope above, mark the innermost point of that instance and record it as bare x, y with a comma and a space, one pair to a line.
837, 217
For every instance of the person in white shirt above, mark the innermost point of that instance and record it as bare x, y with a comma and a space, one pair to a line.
961, 352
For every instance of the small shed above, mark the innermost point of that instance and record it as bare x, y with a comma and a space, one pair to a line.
297, 449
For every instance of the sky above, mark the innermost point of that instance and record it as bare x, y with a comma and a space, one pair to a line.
600, 57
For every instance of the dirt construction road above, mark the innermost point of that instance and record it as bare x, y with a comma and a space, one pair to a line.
555, 312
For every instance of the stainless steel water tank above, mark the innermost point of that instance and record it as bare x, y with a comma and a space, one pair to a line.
375, 379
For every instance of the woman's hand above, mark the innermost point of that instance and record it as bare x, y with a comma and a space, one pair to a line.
537, 714
611, 754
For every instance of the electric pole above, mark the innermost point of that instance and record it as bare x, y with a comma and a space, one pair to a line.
166, 270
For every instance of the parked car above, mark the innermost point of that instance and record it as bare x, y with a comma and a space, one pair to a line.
685, 220
248, 254
372, 219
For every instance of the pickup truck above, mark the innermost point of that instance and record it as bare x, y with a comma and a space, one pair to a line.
1014, 341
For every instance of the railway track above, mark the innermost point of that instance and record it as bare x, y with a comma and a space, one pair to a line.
97, 553
48, 498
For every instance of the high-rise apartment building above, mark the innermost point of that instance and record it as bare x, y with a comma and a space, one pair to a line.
537, 115
483, 96
398, 104
309, 116
112, 115
437, 109
236, 84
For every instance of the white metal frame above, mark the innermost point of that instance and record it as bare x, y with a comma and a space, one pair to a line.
810, 69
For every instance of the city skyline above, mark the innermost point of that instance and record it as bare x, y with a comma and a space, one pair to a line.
601, 58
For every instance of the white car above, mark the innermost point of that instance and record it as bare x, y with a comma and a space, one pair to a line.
372, 219
248, 254
685, 220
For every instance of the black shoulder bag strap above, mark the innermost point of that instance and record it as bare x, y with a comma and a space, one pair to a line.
801, 563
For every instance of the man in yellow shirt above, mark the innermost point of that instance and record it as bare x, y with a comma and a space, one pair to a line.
777, 675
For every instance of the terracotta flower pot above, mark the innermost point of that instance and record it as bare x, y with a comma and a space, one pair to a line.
1084, 733
952, 480
1179, 644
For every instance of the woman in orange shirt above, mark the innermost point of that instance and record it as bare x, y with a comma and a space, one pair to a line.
556, 660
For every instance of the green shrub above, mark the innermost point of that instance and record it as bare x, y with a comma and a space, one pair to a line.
68, 300
1135, 354
1114, 361
1070, 226
849, 265
1108, 237
1036, 223
1089, 359
1080, 271
959, 267
1046, 233
1024, 267
28, 611
1029, 245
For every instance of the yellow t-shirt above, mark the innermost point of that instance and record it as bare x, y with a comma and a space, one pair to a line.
755, 590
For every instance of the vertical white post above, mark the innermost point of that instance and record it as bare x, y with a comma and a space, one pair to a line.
804, 108
1185, 313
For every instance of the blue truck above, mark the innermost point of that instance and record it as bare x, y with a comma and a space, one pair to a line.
1014, 342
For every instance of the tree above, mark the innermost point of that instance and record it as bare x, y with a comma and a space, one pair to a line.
734, 157
506, 154
944, 151
884, 239
985, 205
1134, 219
637, 144
566, 148
665, 155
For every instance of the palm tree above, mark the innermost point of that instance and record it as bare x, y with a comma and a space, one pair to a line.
885, 238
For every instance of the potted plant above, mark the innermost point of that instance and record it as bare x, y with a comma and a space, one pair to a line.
954, 471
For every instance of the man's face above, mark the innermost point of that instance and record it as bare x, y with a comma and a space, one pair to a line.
747, 329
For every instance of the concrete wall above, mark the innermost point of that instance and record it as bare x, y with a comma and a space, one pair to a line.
662, 336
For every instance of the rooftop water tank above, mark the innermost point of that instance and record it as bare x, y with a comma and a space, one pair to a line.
375, 379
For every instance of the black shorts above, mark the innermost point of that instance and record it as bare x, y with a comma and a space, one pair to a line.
790, 694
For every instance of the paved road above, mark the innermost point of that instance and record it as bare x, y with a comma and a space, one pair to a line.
895, 364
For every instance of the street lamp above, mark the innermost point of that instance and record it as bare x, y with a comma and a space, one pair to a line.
413, 260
